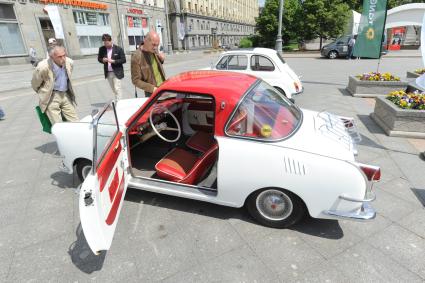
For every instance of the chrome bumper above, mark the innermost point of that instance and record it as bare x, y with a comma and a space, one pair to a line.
367, 212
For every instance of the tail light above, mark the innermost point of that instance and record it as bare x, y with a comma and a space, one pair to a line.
297, 87
373, 173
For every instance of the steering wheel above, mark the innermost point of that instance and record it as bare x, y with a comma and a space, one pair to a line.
163, 126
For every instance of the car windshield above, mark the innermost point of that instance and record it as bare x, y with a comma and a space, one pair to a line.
265, 114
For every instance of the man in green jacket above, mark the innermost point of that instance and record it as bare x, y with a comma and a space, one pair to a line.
51, 80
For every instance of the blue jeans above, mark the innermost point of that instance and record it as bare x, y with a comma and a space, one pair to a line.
1, 113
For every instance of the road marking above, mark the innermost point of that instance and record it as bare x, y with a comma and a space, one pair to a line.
32, 92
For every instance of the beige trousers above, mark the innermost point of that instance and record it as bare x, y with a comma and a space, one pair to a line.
115, 84
60, 105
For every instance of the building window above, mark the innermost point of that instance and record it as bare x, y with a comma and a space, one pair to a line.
90, 41
134, 40
91, 18
134, 22
10, 35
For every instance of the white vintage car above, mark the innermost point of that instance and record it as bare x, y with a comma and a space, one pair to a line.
224, 138
264, 63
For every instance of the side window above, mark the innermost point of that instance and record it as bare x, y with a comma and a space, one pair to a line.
222, 64
261, 63
107, 129
237, 62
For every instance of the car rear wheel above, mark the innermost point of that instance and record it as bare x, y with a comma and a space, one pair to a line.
83, 169
333, 54
275, 207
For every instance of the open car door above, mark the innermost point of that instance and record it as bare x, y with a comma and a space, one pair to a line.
103, 191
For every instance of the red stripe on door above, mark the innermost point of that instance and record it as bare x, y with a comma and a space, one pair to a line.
108, 162
113, 187
116, 204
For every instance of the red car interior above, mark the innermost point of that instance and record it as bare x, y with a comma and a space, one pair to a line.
182, 166
201, 141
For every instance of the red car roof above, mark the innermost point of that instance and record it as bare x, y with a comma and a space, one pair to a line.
225, 87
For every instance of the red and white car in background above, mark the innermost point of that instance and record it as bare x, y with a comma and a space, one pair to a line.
224, 138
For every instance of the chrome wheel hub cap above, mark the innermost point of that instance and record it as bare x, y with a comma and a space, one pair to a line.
274, 205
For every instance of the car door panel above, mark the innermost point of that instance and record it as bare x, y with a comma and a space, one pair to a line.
103, 191
200, 115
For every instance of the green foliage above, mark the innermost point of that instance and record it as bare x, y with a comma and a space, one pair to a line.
245, 43
268, 22
322, 18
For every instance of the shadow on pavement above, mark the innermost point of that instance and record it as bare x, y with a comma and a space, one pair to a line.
64, 180
323, 228
420, 195
320, 83
344, 92
371, 126
329, 229
50, 148
82, 256
370, 143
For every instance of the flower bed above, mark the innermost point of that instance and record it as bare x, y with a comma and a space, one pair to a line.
408, 100
373, 76
401, 114
374, 84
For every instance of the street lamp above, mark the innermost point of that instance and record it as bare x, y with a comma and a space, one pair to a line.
279, 31
170, 48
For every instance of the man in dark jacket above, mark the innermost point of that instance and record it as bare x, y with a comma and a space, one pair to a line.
112, 57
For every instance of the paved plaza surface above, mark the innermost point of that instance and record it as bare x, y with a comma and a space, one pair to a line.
168, 239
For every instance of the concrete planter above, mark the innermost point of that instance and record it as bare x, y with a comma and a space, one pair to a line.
398, 122
373, 88
411, 75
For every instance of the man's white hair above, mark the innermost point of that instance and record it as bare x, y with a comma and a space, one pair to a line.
53, 50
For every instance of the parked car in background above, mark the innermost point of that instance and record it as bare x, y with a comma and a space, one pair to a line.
264, 63
225, 138
339, 48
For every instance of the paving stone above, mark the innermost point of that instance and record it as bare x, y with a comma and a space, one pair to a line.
415, 222
326, 236
160, 258
240, 265
367, 228
392, 207
323, 272
401, 188
402, 246
286, 254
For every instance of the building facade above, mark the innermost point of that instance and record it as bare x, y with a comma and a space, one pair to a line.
28, 23
198, 24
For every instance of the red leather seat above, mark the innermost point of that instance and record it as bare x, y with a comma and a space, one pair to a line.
201, 141
185, 167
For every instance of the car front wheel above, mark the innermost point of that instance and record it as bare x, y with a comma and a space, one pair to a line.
83, 169
275, 207
333, 54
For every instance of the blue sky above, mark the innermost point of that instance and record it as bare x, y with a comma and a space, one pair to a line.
261, 2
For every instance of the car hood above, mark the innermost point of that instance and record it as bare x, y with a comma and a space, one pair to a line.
125, 109
324, 134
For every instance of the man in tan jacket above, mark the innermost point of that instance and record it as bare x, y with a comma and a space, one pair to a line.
52, 82
146, 65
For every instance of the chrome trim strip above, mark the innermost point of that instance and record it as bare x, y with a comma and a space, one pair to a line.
372, 198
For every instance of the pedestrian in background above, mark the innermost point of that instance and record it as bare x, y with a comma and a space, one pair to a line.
112, 57
51, 80
351, 43
2, 115
33, 56
147, 72
51, 44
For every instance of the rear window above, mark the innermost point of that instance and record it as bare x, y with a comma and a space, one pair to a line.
264, 114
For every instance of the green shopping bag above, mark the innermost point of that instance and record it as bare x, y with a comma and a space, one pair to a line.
44, 120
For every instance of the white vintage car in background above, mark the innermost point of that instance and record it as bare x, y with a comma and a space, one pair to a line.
264, 63
226, 138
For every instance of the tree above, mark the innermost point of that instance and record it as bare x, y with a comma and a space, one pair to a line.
268, 22
322, 19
